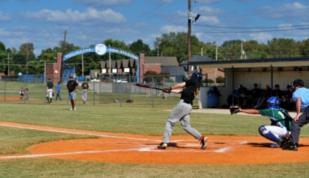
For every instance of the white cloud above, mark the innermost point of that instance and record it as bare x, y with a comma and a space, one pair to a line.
4, 33
182, 13
294, 6
199, 35
104, 2
4, 16
208, 10
206, 1
261, 37
68, 15
209, 20
173, 28
294, 9
285, 26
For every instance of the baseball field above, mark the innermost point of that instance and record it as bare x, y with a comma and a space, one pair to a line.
112, 140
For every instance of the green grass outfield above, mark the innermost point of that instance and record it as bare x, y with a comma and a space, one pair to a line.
128, 118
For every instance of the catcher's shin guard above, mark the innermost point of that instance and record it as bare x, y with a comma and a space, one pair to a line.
264, 132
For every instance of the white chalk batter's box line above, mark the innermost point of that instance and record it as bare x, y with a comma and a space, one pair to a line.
90, 133
78, 132
89, 152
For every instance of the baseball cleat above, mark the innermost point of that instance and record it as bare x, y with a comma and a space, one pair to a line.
274, 145
203, 142
162, 146
290, 146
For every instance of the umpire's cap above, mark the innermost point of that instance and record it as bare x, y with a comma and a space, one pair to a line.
298, 83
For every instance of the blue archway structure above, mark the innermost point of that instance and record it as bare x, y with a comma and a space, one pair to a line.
101, 49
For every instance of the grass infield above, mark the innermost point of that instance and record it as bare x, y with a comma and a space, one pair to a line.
125, 119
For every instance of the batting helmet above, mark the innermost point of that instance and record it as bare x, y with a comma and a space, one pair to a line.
273, 102
197, 76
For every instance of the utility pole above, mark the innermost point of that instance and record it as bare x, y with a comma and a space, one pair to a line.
63, 51
189, 30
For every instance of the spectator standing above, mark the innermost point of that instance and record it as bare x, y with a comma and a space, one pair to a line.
58, 91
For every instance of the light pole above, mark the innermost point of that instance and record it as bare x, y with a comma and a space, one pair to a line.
83, 69
109, 62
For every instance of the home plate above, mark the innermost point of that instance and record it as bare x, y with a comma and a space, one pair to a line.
222, 150
145, 149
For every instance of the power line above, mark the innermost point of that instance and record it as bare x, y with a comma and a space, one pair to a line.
258, 30
253, 27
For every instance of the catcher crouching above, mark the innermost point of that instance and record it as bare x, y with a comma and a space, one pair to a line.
281, 121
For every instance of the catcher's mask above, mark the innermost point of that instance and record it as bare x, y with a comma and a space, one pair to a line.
273, 102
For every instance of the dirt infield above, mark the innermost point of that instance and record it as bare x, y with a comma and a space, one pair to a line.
9, 98
221, 150
128, 148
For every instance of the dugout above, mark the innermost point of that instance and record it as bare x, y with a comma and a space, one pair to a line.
281, 71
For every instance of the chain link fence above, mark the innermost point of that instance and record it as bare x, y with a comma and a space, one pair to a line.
116, 92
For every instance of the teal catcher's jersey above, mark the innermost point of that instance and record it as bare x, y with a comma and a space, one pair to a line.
278, 117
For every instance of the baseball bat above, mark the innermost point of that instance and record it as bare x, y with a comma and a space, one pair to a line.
148, 86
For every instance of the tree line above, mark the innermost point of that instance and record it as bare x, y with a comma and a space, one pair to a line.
170, 44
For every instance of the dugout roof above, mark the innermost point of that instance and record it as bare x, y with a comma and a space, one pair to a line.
251, 63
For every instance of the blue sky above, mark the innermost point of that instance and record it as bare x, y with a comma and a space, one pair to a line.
43, 22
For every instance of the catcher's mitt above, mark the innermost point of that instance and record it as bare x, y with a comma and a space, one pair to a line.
234, 109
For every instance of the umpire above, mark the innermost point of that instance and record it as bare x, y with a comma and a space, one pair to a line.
301, 99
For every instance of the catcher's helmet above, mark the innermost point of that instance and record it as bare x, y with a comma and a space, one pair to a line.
273, 102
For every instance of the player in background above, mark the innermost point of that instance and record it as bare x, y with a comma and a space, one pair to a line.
71, 86
49, 91
58, 91
281, 121
181, 112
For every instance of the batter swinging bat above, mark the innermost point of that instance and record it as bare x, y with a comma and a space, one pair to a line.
151, 87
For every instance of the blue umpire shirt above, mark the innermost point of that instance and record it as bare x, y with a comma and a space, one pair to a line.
302, 93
